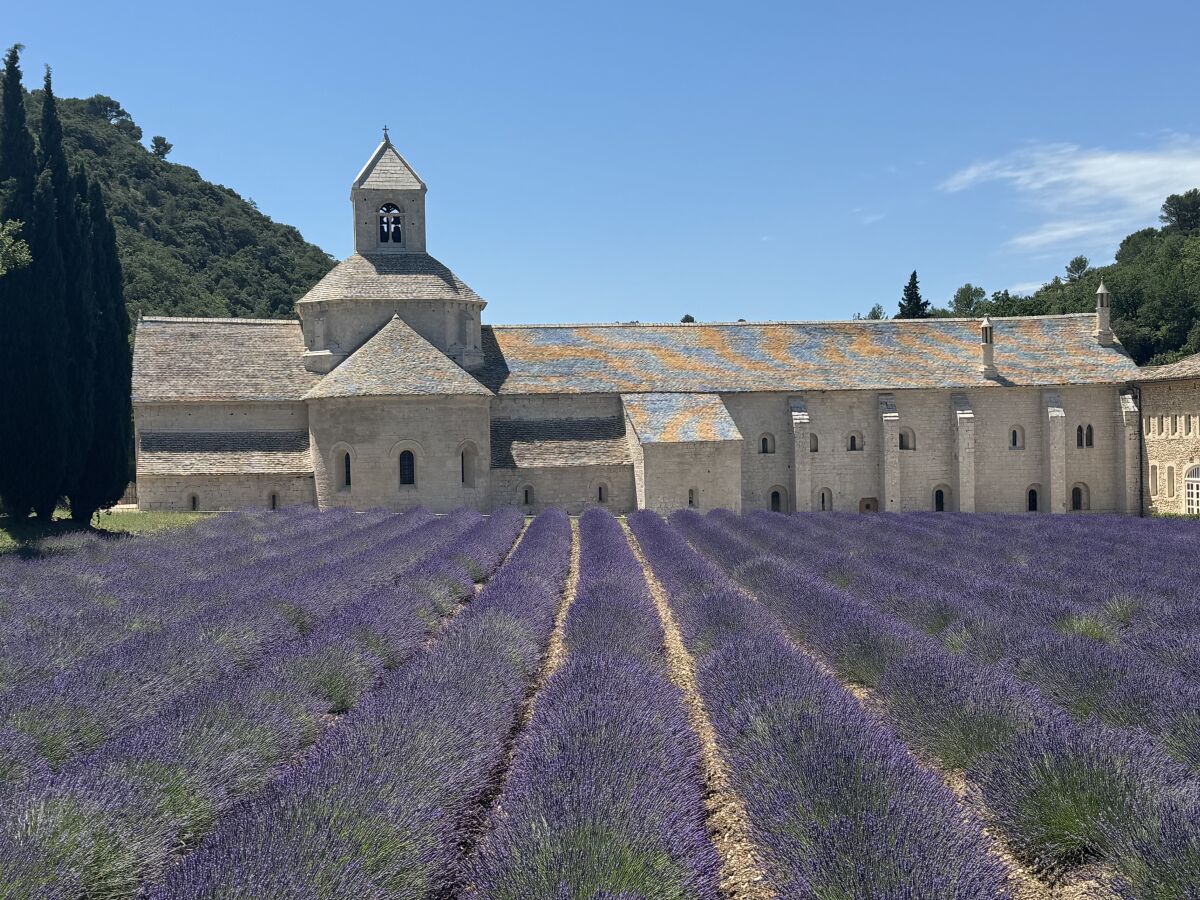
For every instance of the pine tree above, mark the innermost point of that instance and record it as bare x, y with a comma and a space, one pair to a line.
107, 463
78, 301
911, 304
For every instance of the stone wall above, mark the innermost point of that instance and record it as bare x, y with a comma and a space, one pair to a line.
1171, 443
572, 489
711, 470
374, 431
348, 324
221, 492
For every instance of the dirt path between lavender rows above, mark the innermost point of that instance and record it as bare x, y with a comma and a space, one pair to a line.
742, 875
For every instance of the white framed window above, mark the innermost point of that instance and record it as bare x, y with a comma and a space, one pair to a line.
1191, 489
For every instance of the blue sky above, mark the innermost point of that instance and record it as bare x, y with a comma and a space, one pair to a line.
617, 161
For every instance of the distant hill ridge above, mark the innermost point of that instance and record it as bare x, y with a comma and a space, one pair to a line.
187, 247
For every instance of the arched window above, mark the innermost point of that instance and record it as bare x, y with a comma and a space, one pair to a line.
344, 473
766, 443
527, 495
1079, 436
908, 439
1031, 499
855, 442
1171, 481
274, 501
193, 503
602, 493
692, 498
776, 501
469, 462
1089, 437
1154, 481
1016, 438
939, 500
813, 443
1080, 498
1191, 487
825, 500
408, 468
391, 224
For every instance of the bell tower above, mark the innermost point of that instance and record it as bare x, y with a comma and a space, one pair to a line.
389, 204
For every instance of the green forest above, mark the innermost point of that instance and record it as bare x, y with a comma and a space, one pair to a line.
187, 247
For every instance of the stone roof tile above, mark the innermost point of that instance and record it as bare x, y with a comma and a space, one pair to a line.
534, 443
679, 418
390, 276
1189, 367
794, 356
397, 361
388, 170
187, 359
224, 453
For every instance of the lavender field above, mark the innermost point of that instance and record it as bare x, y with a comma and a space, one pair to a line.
300, 704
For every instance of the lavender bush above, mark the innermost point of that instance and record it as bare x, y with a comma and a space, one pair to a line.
604, 792
834, 800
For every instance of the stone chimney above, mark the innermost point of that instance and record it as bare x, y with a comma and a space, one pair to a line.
987, 349
1103, 332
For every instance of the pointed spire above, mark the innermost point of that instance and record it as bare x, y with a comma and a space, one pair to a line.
1102, 289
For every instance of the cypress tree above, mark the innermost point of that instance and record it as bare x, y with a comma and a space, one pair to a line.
34, 461
912, 306
106, 467
18, 177
74, 241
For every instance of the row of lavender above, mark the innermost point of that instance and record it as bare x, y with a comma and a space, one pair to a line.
1060, 793
604, 794
111, 818
1082, 654
56, 613
388, 801
241, 619
835, 802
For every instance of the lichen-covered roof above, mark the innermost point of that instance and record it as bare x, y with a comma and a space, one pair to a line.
390, 276
1189, 367
396, 361
224, 453
388, 170
794, 356
534, 443
679, 418
182, 359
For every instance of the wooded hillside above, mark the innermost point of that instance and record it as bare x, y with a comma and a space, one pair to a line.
187, 247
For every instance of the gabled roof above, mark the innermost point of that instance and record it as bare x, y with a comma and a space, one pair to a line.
397, 362
390, 276
679, 418
224, 453
388, 170
535, 443
795, 356
1189, 367
182, 359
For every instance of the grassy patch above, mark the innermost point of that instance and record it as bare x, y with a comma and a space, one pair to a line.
18, 533
1087, 626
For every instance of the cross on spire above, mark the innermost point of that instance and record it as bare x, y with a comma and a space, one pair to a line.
386, 139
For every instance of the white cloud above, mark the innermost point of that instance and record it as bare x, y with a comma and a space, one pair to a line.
1088, 198
1026, 287
866, 217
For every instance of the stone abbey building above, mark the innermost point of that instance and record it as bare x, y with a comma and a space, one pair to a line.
389, 391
